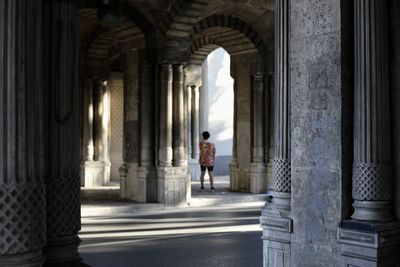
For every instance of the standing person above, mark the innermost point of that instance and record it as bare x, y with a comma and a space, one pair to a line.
207, 159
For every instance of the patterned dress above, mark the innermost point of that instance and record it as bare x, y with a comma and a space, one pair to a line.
207, 153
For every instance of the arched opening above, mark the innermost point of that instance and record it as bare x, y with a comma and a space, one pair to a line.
111, 48
215, 115
248, 162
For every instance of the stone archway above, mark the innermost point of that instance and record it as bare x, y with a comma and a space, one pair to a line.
250, 164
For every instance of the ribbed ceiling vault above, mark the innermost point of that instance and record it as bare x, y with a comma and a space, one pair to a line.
102, 41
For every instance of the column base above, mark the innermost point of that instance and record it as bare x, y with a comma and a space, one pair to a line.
368, 244
31, 259
147, 179
173, 185
131, 185
95, 174
379, 211
258, 181
62, 251
277, 229
233, 175
194, 169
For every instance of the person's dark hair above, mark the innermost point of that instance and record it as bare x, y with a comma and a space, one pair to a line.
205, 135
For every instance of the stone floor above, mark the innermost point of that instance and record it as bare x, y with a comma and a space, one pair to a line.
220, 228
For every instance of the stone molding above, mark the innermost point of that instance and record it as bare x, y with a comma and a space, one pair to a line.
365, 244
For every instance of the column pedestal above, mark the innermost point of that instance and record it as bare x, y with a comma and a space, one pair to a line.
258, 183
95, 173
233, 175
369, 245
173, 185
277, 228
194, 169
147, 176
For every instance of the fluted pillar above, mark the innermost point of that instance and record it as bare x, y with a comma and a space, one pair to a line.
22, 192
281, 184
258, 183
173, 184
63, 141
195, 121
165, 138
275, 219
372, 168
178, 117
233, 165
371, 238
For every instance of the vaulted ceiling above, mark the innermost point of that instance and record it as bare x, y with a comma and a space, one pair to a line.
104, 36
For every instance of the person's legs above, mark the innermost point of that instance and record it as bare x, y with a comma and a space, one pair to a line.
211, 174
203, 172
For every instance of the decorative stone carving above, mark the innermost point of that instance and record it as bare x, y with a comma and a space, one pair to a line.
65, 206
281, 174
22, 211
372, 181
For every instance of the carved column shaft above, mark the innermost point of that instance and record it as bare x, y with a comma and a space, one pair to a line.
178, 116
372, 169
258, 125
165, 131
22, 192
281, 162
195, 121
63, 146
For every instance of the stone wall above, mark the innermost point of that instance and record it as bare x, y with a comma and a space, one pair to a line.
321, 118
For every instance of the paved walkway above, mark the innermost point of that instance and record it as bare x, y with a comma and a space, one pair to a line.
211, 234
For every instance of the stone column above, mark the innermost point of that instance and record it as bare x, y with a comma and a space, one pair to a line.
173, 185
233, 166
147, 171
165, 138
371, 239
372, 168
62, 164
258, 183
188, 110
88, 145
178, 117
195, 132
97, 173
22, 192
275, 219
132, 187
